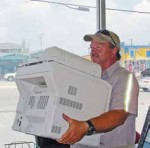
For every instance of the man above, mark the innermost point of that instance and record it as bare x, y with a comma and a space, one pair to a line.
118, 124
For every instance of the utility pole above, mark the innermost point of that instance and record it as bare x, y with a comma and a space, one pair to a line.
101, 14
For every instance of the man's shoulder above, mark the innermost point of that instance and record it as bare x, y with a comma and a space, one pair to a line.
124, 71
117, 72
118, 69
123, 75
121, 71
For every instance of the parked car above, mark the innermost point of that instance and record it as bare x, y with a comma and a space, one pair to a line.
145, 72
9, 76
144, 83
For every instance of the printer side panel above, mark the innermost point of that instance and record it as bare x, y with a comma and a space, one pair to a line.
80, 96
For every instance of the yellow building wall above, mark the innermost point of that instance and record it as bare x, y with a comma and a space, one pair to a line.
140, 54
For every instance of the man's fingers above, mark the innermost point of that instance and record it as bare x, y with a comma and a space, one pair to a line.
66, 138
69, 140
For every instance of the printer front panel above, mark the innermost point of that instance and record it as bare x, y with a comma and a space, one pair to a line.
36, 102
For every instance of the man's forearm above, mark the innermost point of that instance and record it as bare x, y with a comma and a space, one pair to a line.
109, 120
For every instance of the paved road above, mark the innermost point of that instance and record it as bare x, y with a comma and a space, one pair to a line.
9, 94
9, 97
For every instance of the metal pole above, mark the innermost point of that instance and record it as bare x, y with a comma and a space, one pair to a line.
41, 41
101, 15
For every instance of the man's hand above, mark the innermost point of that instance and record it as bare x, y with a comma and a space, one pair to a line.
76, 131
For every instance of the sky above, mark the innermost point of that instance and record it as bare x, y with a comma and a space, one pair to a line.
42, 25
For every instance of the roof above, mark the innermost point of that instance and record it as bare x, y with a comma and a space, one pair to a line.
10, 46
13, 56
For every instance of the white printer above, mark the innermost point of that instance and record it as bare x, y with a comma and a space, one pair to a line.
59, 82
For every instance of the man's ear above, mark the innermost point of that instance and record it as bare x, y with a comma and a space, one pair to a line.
114, 51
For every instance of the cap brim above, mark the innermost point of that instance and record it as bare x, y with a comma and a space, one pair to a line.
88, 37
100, 38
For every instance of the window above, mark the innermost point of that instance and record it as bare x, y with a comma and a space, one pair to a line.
29, 27
26, 29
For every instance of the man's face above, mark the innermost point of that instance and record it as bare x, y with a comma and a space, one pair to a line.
101, 53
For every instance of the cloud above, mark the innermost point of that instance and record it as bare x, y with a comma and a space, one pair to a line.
64, 27
133, 26
3, 6
143, 6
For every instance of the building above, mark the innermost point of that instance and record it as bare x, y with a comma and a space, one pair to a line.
10, 48
135, 58
11, 55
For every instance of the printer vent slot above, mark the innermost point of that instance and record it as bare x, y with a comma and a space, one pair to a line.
56, 129
70, 103
43, 101
31, 101
72, 90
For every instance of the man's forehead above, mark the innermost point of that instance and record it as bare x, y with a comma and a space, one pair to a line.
94, 42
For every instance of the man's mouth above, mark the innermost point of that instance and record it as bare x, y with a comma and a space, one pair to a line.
94, 55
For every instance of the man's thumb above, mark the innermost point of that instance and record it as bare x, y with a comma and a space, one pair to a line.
67, 118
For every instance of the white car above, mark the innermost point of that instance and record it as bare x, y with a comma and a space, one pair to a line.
144, 83
9, 76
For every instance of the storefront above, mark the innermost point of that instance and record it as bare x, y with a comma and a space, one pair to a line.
135, 58
10, 62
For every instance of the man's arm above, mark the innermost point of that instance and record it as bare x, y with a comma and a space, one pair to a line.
103, 123
109, 120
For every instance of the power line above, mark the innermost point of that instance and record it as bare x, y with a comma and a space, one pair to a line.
128, 10
79, 7
63, 3
86, 6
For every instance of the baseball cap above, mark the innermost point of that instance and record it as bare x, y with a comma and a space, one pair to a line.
104, 36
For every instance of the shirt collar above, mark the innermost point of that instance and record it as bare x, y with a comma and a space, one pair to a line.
111, 69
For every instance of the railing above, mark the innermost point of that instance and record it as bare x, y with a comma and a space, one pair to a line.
21, 144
